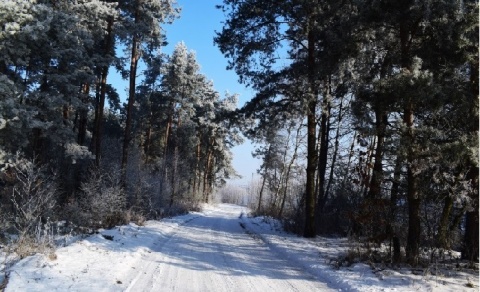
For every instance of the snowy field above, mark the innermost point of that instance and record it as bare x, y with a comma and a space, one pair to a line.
219, 249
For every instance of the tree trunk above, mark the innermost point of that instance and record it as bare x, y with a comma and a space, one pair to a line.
168, 136
470, 249
282, 180
82, 126
413, 198
278, 186
206, 176
323, 153
148, 139
289, 168
381, 121
98, 132
366, 170
135, 56
173, 176
393, 209
470, 240
284, 197
82, 114
198, 152
259, 207
335, 150
168, 132
310, 204
351, 152
211, 179
311, 167
443, 226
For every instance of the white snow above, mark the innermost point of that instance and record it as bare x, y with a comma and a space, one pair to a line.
219, 249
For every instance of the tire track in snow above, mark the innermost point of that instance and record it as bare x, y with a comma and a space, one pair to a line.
150, 267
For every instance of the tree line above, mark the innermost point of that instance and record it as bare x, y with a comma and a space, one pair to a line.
367, 113
71, 149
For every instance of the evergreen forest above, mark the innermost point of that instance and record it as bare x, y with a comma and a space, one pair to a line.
365, 115
71, 150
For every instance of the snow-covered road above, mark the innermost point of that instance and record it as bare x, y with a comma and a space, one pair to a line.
207, 251
214, 253
219, 249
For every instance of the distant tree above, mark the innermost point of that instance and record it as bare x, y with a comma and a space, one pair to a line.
185, 126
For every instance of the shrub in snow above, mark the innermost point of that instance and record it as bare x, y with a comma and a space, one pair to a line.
33, 199
33, 195
104, 202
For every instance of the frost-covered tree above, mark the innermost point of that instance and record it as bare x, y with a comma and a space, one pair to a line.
280, 162
416, 36
143, 34
54, 63
288, 51
50, 72
183, 126
409, 67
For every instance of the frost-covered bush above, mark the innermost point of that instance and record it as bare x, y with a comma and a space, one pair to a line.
76, 152
33, 196
104, 202
25, 221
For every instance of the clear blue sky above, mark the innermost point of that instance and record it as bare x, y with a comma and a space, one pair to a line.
196, 27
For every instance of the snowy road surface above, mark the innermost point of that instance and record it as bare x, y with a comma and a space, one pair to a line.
215, 250
213, 253
208, 251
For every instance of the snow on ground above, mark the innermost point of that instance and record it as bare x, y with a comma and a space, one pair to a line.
219, 249
317, 256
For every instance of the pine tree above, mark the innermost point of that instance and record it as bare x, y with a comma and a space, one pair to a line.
142, 20
425, 34
185, 115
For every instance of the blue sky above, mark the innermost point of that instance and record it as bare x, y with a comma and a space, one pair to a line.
196, 27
